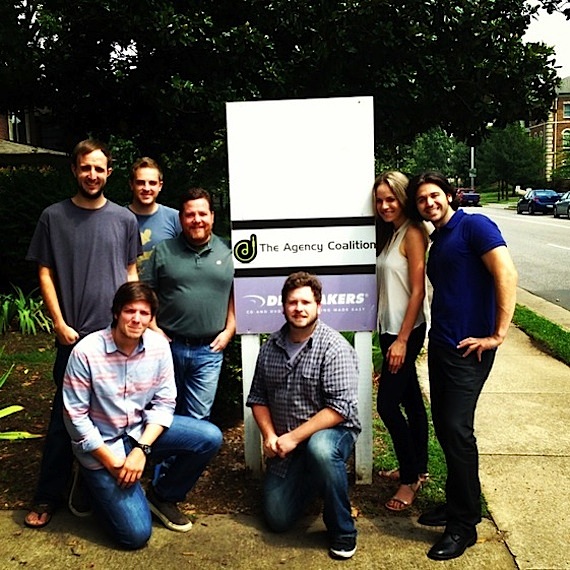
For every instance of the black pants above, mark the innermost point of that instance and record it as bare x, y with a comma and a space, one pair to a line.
409, 433
455, 385
57, 459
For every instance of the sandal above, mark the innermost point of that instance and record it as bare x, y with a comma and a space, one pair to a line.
390, 474
37, 512
398, 504
394, 475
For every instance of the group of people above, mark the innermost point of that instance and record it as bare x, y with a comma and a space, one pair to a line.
142, 305
137, 360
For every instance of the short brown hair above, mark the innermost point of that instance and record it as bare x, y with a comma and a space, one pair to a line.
194, 194
302, 279
144, 162
87, 146
131, 292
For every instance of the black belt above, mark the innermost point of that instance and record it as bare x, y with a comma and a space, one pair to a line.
193, 340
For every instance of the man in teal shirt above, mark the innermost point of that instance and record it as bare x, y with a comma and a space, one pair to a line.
156, 221
192, 276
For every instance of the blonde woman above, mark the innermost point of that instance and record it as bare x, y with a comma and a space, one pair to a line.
403, 311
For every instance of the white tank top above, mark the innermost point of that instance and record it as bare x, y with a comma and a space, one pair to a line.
393, 278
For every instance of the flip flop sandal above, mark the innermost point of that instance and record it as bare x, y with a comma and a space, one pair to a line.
40, 509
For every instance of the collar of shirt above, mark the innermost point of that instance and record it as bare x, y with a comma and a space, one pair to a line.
111, 346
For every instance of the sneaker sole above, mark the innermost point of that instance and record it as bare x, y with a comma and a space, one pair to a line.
168, 523
342, 554
80, 514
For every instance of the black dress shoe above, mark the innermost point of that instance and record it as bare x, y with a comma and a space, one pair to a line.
451, 546
435, 517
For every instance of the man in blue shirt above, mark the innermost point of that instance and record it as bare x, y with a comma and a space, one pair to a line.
474, 292
156, 221
304, 400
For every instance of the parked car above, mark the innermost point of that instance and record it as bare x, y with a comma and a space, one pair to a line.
468, 197
537, 201
562, 207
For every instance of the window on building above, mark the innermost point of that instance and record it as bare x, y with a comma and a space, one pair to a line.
566, 139
566, 110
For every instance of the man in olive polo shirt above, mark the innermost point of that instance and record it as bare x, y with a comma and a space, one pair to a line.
192, 275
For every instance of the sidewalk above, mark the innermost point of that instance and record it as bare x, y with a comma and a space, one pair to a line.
524, 443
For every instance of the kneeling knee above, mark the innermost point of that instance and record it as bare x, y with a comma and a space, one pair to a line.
135, 541
277, 522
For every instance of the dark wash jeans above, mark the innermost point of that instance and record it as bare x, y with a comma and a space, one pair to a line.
316, 468
409, 433
57, 458
124, 512
455, 385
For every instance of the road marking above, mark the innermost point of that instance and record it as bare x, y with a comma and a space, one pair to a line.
558, 246
550, 223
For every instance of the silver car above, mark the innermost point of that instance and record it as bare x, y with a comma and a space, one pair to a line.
562, 207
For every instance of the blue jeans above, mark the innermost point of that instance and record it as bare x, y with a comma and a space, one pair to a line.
317, 467
57, 458
125, 512
455, 385
197, 370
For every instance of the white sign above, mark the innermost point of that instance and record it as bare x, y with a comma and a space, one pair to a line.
301, 173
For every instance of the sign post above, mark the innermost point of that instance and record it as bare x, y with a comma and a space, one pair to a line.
300, 199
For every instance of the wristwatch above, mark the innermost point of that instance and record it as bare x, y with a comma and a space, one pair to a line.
146, 449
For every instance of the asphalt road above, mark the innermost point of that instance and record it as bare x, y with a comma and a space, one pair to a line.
540, 247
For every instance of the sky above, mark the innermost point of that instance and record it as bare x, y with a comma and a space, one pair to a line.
553, 30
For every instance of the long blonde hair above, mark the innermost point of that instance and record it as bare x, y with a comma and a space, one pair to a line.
398, 183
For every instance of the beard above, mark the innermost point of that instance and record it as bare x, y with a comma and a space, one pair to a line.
89, 196
308, 324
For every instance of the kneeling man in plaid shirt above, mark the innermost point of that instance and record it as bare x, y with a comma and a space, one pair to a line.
304, 400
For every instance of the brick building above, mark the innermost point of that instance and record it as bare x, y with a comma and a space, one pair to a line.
555, 131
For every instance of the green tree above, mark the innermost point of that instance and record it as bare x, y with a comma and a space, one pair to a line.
510, 157
436, 150
158, 72
562, 6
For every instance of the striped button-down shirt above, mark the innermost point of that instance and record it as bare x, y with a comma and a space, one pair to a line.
324, 374
107, 394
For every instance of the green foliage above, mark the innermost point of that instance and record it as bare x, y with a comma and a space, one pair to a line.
549, 335
562, 172
510, 157
23, 312
436, 150
12, 435
4, 376
24, 193
159, 73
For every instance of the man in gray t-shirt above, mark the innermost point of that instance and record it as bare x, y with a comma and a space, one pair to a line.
85, 248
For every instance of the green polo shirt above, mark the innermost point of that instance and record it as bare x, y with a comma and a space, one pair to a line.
193, 286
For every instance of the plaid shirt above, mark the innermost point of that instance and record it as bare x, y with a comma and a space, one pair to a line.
324, 374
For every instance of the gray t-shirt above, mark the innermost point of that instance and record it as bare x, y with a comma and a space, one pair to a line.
89, 251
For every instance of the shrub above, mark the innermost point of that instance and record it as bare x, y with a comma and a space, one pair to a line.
23, 312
